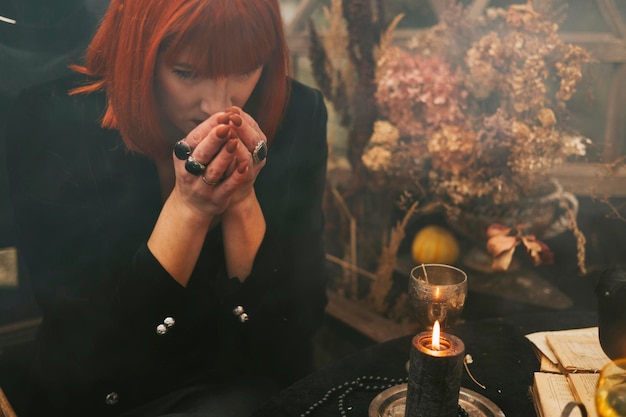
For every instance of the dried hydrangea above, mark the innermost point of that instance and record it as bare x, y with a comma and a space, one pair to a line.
569, 70
387, 155
487, 97
479, 108
416, 93
385, 133
377, 158
483, 77
378, 153
452, 149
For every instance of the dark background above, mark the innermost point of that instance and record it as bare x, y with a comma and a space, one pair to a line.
47, 38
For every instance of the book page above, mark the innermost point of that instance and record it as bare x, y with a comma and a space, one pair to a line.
578, 351
584, 389
539, 341
552, 392
546, 365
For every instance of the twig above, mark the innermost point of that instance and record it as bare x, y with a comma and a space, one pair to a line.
467, 360
387, 262
615, 211
578, 234
353, 242
350, 266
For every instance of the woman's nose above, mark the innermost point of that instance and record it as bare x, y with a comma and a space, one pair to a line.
215, 96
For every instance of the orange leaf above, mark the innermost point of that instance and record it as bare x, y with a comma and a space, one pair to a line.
537, 251
503, 261
498, 244
497, 229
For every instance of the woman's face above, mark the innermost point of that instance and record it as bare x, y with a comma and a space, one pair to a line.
186, 100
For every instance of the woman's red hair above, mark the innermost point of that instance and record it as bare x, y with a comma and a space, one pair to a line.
226, 36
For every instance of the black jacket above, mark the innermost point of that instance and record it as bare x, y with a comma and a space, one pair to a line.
85, 208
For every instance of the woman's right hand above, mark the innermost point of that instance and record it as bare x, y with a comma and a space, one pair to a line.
214, 144
196, 203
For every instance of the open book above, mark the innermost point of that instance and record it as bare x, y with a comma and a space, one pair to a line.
570, 364
552, 392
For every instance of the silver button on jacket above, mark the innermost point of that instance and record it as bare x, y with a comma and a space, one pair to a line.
112, 398
169, 321
161, 329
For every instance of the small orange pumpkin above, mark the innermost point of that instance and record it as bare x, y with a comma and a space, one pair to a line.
435, 245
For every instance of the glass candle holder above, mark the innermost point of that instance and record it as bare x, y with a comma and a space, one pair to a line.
611, 390
437, 292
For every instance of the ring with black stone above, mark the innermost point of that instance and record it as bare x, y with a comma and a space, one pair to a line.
194, 167
182, 150
259, 153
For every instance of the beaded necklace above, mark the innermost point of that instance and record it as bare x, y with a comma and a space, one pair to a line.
363, 383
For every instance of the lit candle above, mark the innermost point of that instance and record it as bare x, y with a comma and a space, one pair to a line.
435, 370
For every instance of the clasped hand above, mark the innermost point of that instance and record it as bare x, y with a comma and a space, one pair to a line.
221, 149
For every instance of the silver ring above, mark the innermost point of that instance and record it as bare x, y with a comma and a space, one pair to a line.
259, 153
207, 182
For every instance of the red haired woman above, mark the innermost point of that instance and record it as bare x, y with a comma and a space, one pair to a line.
168, 202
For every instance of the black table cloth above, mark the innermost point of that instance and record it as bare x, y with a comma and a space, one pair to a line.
503, 361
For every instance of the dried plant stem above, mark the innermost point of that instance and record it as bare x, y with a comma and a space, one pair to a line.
353, 278
610, 169
616, 164
354, 283
387, 262
387, 36
350, 266
615, 211
580, 237
466, 361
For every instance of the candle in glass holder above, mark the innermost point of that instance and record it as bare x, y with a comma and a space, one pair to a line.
437, 292
435, 370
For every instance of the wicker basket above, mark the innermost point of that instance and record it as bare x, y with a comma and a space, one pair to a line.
543, 216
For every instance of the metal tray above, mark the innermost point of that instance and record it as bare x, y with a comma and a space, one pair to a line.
392, 401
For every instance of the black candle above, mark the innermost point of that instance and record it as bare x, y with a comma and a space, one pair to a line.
434, 375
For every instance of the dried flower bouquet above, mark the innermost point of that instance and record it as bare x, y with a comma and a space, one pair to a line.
477, 111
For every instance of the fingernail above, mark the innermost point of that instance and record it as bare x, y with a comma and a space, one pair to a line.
223, 119
223, 131
236, 119
233, 134
231, 146
241, 168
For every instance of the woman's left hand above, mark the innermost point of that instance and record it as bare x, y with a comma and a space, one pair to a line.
253, 151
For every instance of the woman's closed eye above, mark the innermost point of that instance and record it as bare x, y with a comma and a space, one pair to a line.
184, 74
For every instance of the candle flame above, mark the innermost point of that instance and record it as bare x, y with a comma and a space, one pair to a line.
436, 335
